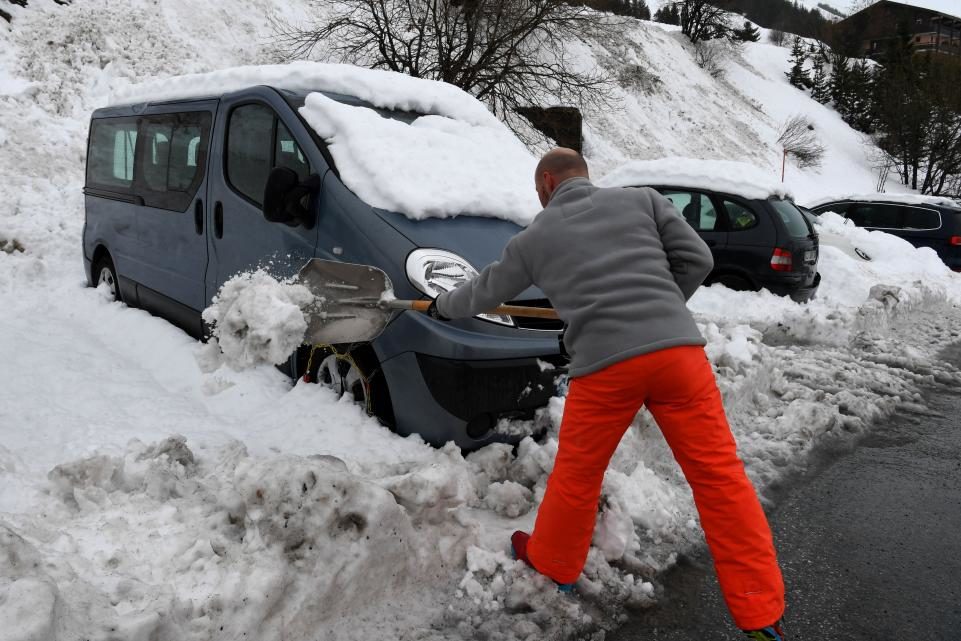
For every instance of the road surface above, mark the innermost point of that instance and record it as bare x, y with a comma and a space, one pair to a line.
869, 542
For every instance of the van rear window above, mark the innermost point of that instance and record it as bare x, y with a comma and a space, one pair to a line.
110, 161
792, 218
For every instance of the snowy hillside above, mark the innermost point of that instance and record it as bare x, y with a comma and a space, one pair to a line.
142, 497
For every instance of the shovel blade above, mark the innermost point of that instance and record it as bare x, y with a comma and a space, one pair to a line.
345, 307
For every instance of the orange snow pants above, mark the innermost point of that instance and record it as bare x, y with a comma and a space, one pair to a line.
678, 387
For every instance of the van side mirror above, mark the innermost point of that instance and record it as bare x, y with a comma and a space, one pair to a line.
285, 197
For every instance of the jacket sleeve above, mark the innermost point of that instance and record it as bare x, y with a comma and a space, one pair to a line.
689, 256
499, 282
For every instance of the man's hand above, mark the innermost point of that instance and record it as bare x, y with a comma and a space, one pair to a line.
434, 313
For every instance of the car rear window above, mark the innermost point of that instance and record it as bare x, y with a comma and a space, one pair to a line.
792, 217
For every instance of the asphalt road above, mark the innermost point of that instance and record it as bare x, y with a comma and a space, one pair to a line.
869, 543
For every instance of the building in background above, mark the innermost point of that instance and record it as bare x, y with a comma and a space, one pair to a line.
875, 27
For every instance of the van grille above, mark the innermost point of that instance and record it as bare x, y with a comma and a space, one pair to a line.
468, 389
543, 324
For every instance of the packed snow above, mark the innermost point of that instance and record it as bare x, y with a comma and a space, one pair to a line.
256, 319
724, 176
433, 166
144, 498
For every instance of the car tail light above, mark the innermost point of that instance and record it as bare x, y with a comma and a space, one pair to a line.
955, 240
782, 261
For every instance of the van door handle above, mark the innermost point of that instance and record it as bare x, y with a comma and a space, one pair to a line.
219, 220
199, 217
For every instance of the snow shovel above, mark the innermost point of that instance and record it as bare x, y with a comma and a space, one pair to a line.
353, 303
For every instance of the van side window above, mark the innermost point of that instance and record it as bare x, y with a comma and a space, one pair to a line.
288, 154
257, 141
110, 162
185, 156
173, 159
157, 157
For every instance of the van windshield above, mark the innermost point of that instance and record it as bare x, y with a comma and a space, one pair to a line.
792, 217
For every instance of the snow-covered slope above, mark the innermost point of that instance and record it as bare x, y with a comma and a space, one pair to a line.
285, 513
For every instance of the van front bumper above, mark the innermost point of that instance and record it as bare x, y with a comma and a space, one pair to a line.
454, 381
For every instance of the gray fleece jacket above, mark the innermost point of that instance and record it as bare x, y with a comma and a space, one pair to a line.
617, 264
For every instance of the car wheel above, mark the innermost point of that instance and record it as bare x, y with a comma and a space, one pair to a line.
352, 370
737, 283
105, 274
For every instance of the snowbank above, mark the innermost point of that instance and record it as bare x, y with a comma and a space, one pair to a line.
728, 177
431, 167
894, 262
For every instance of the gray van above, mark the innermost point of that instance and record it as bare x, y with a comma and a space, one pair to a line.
175, 197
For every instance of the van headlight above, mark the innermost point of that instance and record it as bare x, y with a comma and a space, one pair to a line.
435, 271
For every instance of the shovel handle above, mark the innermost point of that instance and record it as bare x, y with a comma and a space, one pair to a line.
503, 310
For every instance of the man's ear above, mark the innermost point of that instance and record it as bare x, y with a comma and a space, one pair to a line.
550, 182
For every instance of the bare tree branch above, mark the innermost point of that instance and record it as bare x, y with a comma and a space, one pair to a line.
508, 53
801, 142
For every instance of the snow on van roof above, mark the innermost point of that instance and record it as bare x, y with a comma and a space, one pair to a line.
907, 199
725, 176
385, 89
456, 159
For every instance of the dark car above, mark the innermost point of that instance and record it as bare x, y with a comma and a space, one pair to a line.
759, 238
934, 223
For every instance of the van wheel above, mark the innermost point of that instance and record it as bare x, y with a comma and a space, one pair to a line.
737, 283
353, 370
104, 273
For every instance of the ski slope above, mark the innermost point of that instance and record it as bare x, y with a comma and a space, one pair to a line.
143, 496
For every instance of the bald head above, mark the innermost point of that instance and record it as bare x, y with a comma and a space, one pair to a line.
554, 168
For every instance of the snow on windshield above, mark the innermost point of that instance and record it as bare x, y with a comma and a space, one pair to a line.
457, 159
735, 178
432, 167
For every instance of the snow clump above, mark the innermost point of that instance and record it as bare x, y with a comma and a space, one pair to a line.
257, 319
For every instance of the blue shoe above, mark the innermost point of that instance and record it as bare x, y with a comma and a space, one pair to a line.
770, 633
519, 551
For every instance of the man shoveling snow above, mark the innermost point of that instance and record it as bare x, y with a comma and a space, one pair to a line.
619, 265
